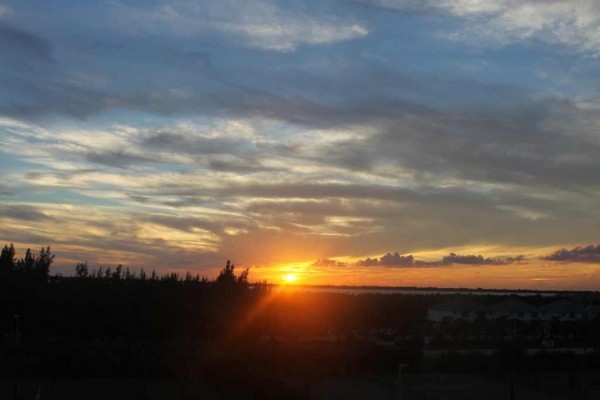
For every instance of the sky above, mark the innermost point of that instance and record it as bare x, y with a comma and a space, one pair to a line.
388, 142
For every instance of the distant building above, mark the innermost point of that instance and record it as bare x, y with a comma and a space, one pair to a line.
512, 308
466, 308
564, 310
458, 308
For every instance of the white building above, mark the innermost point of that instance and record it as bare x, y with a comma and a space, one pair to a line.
513, 308
564, 310
458, 308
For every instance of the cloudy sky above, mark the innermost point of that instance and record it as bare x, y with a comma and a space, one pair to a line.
308, 136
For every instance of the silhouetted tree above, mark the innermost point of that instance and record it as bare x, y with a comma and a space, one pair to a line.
25, 265
172, 277
81, 270
42, 263
242, 279
116, 276
228, 279
7, 260
32, 266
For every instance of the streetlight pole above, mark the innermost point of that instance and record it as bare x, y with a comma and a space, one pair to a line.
17, 388
585, 345
17, 318
400, 395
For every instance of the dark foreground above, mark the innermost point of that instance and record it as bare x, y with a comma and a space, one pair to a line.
414, 386
114, 335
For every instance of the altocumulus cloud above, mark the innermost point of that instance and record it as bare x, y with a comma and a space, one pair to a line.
590, 253
399, 260
453, 258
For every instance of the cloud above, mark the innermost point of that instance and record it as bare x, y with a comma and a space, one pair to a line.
571, 23
216, 224
325, 262
23, 212
116, 158
107, 235
458, 7
190, 142
285, 33
322, 152
454, 258
14, 40
5, 11
484, 147
5, 190
259, 24
398, 260
297, 188
389, 259
590, 253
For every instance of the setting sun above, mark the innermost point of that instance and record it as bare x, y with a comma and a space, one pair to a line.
289, 278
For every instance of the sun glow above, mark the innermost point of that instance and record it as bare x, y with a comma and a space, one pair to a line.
289, 278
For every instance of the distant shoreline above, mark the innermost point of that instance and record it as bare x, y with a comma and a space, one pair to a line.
432, 290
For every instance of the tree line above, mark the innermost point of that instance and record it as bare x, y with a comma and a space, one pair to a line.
34, 266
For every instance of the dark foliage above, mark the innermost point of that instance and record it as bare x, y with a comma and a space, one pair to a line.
114, 323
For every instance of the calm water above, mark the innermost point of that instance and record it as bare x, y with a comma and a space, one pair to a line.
352, 290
